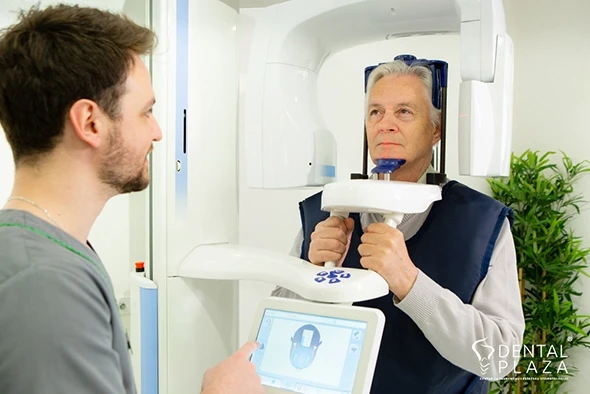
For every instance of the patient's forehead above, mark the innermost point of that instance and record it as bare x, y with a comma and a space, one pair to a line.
393, 89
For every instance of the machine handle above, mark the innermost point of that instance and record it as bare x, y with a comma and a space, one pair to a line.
343, 215
391, 219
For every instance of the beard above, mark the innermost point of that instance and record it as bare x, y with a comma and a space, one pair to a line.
120, 169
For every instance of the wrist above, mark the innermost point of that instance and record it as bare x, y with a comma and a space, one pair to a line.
406, 283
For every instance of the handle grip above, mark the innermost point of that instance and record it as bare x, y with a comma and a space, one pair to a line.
343, 215
391, 219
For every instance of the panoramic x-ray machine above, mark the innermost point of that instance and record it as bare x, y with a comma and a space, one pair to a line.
185, 316
323, 345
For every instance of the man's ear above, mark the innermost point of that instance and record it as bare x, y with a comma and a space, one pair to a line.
88, 121
436, 136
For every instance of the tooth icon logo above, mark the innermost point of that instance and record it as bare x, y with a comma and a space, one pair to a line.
484, 353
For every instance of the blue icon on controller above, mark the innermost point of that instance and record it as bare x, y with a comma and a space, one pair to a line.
334, 276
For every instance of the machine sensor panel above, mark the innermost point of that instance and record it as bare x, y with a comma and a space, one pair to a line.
306, 353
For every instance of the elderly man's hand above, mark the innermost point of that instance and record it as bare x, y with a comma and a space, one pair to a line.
384, 251
330, 240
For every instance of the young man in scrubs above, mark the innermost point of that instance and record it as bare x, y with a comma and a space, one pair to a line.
76, 106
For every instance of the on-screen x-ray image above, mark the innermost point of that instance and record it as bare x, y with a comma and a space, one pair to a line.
304, 345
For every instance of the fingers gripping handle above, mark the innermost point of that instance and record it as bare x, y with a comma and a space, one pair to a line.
391, 219
343, 215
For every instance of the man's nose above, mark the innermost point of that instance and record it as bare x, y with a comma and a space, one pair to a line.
389, 123
156, 131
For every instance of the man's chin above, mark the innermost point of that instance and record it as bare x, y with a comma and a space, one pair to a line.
134, 185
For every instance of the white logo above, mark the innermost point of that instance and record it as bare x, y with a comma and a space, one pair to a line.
485, 356
509, 358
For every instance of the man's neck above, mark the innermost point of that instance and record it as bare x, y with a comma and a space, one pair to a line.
68, 197
416, 173
429, 170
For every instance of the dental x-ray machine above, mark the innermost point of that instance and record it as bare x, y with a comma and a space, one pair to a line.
288, 146
190, 287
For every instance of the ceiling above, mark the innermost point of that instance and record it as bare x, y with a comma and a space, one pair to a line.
8, 7
25, 4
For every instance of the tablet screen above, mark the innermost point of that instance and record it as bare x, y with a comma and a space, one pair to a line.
307, 353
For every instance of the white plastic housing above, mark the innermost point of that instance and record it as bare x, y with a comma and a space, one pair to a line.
378, 196
392, 199
194, 68
235, 262
286, 142
298, 150
481, 24
485, 119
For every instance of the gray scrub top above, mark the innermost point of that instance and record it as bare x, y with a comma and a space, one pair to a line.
60, 329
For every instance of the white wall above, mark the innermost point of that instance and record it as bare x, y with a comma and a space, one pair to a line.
6, 168
551, 101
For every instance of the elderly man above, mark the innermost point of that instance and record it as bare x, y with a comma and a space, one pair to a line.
454, 304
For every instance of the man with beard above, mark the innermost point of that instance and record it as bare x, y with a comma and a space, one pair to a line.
76, 105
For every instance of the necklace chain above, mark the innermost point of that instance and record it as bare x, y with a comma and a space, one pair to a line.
45, 211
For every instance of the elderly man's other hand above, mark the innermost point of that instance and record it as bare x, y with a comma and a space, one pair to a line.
384, 251
330, 240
